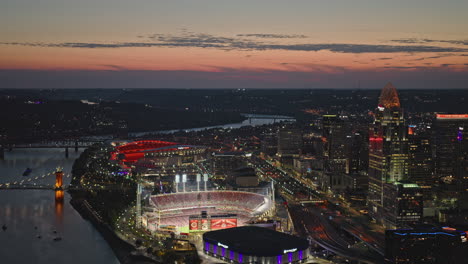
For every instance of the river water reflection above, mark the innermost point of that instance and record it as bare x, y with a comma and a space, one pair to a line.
35, 217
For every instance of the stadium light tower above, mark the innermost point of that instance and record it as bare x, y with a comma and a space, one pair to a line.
198, 181
138, 204
272, 198
184, 180
177, 180
205, 179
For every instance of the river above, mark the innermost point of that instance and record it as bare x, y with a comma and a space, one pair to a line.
251, 120
29, 214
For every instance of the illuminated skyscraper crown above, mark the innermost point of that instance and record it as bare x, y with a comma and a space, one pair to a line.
389, 97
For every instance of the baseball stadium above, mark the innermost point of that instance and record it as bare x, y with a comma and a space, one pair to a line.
205, 210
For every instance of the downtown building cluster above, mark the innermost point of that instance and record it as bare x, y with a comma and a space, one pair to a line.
416, 173
404, 170
398, 170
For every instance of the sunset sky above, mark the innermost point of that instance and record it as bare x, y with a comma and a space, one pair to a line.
233, 44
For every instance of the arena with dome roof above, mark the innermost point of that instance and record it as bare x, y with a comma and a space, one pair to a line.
205, 210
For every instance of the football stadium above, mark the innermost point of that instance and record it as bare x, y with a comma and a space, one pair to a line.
204, 211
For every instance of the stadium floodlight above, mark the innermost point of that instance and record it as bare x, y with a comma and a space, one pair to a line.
177, 180
205, 179
198, 181
184, 180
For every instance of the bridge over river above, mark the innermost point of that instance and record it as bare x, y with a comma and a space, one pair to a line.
45, 144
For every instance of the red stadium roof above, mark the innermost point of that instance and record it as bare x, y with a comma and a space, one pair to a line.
135, 150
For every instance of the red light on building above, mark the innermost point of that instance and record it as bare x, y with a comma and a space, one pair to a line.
410, 130
376, 139
223, 223
133, 151
450, 116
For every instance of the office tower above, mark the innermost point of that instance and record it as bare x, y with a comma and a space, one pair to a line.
451, 142
425, 244
420, 162
357, 153
402, 205
388, 149
334, 146
289, 142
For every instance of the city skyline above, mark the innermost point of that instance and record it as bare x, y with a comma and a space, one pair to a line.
208, 44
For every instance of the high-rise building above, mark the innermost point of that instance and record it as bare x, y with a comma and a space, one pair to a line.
357, 153
289, 142
388, 149
334, 146
426, 245
451, 144
402, 205
421, 165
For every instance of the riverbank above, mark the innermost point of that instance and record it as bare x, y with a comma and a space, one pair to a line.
122, 249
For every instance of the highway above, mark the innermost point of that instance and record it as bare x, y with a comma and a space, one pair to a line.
310, 223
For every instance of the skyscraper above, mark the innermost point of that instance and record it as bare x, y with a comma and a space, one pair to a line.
289, 142
388, 150
403, 204
334, 147
451, 141
421, 165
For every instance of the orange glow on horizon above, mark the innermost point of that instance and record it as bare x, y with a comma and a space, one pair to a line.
213, 60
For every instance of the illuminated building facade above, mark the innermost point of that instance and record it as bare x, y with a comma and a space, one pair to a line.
426, 245
402, 205
388, 150
421, 162
357, 153
451, 141
334, 146
132, 152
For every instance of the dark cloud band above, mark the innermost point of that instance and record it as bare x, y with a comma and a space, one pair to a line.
193, 40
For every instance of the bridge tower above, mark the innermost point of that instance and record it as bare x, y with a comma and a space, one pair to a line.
2, 153
66, 152
76, 145
58, 178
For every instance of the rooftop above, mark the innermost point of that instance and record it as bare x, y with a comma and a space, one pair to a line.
389, 97
256, 241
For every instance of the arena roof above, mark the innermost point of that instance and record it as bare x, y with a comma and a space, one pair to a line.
256, 241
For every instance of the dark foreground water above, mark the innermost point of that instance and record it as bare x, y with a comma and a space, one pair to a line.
29, 214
